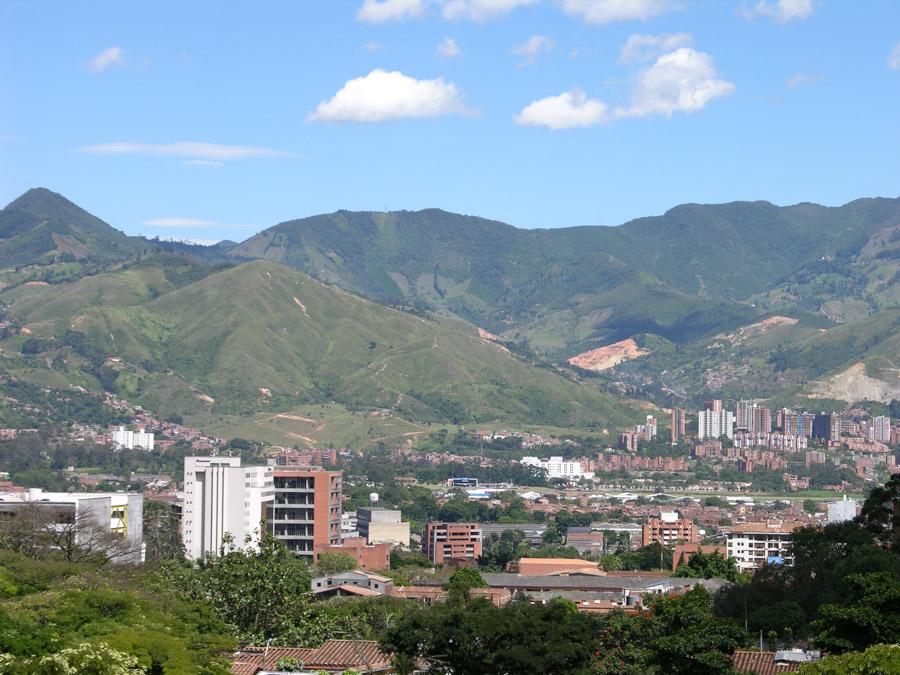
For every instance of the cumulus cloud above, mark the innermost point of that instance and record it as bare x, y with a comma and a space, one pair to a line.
801, 79
894, 58
480, 10
780, 10
683, 80
531, 49
191, 150
640, 48
382, 95
381, 11
448, 49
569, 110
108, 58
610, 11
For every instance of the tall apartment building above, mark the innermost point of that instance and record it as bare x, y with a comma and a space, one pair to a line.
827, 427
882, 425
753, 545
679, 424
382, 526
752, 417
306, 511
222, 497
795, 424
453, 542
715, 423
557, 467
669, 529
129, 440
714, 404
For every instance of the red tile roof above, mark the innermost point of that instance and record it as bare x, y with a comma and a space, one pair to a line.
334, 655
761, 663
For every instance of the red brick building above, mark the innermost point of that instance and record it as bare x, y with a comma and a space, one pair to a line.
455, 543
370, 557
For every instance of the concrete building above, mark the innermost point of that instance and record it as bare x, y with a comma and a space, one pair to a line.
557, 467
534, 567
842, 511
94, 516
827, 427
353, 582
753, 545
129, 440
585, 541
679, 424
882, 427
306, 510
222, 497
382, 526
669, 529
715, 423
794, 424
456, 543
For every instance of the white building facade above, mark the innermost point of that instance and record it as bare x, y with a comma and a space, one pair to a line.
715, 423
753, 545
129, 440
222, 497
842, 511
882, 425
557, 467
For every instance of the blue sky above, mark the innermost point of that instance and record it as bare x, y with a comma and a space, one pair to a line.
211, 120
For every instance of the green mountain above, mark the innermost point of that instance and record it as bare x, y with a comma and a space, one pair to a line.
260, 337
41, 227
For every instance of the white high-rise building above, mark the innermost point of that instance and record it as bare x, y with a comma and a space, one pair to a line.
842, 511
557, 467
715, 423
123, 438
882, 425
222, 497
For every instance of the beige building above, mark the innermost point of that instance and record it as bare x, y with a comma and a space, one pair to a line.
382, 526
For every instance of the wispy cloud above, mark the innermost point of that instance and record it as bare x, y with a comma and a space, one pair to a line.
371, 46
480, 10
640, 48
893, 61
191, 150
108, 58
448, 49
531, 49
381, 11
610, 11
781, 11
382, 95
802, 79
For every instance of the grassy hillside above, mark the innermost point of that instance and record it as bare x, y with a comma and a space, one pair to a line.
261, 337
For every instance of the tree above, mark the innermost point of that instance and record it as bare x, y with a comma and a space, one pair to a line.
84, 659
335, 562
880, 514
161, 532
708, 566
876, 660
462, 581
871, 617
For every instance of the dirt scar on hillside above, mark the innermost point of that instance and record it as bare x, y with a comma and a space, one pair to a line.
301, 305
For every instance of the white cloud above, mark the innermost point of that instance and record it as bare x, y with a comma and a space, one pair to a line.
371, 46
198, 242
532, 48
212, 152
640, 48
383, 95
109, 57
801, 79
180, 221
380, 11
682, 81
569, 110
780, 10
894, 58
448, 49
480, 10
609, 11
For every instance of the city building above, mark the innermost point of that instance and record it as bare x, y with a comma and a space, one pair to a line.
306, 510
584, 540
557, 467
882, 427
679, 424
715, 423
535, 567
367, 556
715, 405
669, 529
111, 522
221, 497
382, 526
793, 423
841, 511
753, 545
122, 438
827, 427
456, 543
628, 440
353, 582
